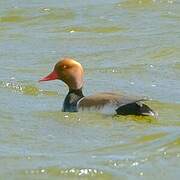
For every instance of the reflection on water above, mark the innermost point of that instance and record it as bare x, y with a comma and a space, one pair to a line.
144, 4
25, 88
17, 15
165, 53
108, 29
70, 173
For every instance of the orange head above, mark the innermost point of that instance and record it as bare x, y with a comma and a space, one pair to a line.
69, 71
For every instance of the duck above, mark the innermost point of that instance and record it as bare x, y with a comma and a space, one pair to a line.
71, 73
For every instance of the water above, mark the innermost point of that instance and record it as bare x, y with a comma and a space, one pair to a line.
125, 45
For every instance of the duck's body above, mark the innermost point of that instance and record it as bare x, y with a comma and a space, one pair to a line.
71, 72
105, 102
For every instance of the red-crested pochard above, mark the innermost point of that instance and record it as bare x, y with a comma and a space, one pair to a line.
71, 72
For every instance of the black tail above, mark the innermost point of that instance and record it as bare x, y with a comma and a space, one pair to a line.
136, 108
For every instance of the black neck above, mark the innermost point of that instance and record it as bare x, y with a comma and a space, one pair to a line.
71, 100
76, 91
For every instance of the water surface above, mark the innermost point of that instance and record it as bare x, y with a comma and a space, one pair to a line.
129, 46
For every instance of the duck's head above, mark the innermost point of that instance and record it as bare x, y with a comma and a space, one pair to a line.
69, 71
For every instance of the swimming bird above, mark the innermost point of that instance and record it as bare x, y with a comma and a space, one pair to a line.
71, 73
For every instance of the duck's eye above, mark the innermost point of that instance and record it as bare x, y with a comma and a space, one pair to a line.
64, 67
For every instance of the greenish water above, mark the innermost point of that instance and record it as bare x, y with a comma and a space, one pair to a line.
131, 46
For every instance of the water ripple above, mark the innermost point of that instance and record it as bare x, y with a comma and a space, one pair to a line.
25, 89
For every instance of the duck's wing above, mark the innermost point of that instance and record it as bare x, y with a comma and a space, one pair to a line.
107, 102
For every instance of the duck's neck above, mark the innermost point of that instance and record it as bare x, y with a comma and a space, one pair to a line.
71, 100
